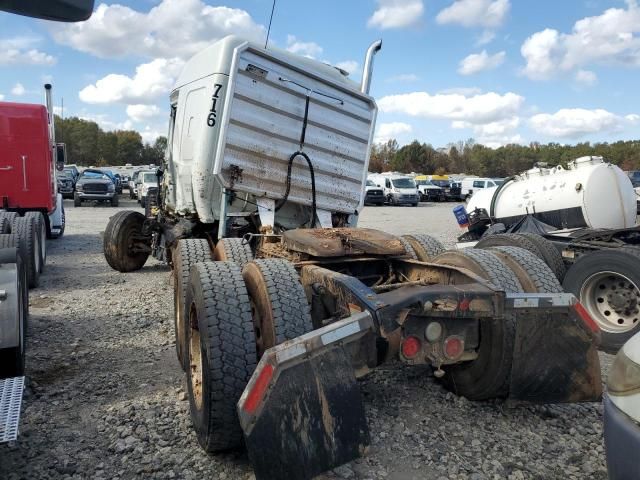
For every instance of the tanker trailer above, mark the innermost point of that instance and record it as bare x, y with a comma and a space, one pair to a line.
582, 221
280, 303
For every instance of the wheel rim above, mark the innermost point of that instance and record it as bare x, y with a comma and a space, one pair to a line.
263, 329
195, 360
37, 252
613, 300
43, 242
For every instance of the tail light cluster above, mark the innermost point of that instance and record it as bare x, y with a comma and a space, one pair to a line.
452, 346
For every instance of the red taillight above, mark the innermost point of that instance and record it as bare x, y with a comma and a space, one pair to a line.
411, 346
586, 318
464, 304
453, 347
257, 391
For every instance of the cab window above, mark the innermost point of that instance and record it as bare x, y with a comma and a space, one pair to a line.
478, 184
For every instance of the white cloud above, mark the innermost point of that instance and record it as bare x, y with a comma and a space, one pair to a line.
604, 39
486, 38
151, 80
20, 51
350, 66
1, 97
465, 91
140, 113
149, 134
404, 77
173, 28
307, 49
106, 123
494, 134
633, 118
476, 109
387, 131
396, 14
586, 78
478, 62
18, 90
475, 13
575, 122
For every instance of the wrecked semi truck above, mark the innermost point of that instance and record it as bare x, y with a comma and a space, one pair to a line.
281, 302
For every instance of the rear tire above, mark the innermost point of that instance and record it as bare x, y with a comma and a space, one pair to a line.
114, 201
5, 225
118, 241
233, 250
25, 228
222, 352
279, 306
408, 248
41, 232
533, 273
77, 202
549, 253
188, 252
489, 374
424, 246
10, 216
608, 281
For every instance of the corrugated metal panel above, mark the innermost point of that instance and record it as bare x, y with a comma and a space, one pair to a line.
264, 127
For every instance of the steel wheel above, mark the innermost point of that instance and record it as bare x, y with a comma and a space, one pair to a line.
613, 301
195, 358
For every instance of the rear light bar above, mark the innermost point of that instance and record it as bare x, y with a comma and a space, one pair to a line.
586, 318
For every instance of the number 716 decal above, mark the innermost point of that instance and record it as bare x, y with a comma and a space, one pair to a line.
211, 118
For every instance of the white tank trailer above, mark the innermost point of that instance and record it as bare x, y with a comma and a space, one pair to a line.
588, 193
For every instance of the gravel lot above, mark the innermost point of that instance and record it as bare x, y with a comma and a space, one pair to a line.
106, 397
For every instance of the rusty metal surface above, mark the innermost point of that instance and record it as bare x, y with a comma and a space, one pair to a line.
340, 242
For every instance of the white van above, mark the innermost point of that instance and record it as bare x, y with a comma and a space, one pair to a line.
469, 185
398, 189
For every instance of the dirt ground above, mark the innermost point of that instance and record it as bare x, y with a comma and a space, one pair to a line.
106, 397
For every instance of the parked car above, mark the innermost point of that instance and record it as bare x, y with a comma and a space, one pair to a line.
634, 176
115, 178
374, 195
398, 189
622, 413
428, 191
66, 184
470, 185
450, 190
119, 186
146, 180
73, 171
133, 187
95, 184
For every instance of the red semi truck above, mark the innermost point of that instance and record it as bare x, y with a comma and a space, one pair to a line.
29, 159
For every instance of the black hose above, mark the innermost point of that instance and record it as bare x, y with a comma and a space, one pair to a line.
306, 157
288, 185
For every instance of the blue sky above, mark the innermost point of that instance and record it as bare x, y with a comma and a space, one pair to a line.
500, 71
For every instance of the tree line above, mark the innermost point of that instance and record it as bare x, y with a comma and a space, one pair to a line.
475, 159
87, 144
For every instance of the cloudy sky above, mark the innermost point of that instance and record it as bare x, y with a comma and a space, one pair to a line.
500, 71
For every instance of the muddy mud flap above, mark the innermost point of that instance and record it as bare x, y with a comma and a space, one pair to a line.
302, 411
555, 357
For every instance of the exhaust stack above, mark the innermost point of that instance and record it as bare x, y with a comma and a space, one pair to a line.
49, 102
368, 66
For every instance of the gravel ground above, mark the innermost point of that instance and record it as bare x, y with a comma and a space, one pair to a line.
106, 397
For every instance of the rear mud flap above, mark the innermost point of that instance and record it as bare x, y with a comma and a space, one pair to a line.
555, 357
302, 411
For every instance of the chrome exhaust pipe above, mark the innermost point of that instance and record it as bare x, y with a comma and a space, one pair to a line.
49, 103
368, 66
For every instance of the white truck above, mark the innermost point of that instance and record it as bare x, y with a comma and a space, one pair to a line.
470, 185
398, 189
280, 303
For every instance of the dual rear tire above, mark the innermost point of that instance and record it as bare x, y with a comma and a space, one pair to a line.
510, 269
235, 315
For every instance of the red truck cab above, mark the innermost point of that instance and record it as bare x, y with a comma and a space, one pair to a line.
27, 166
